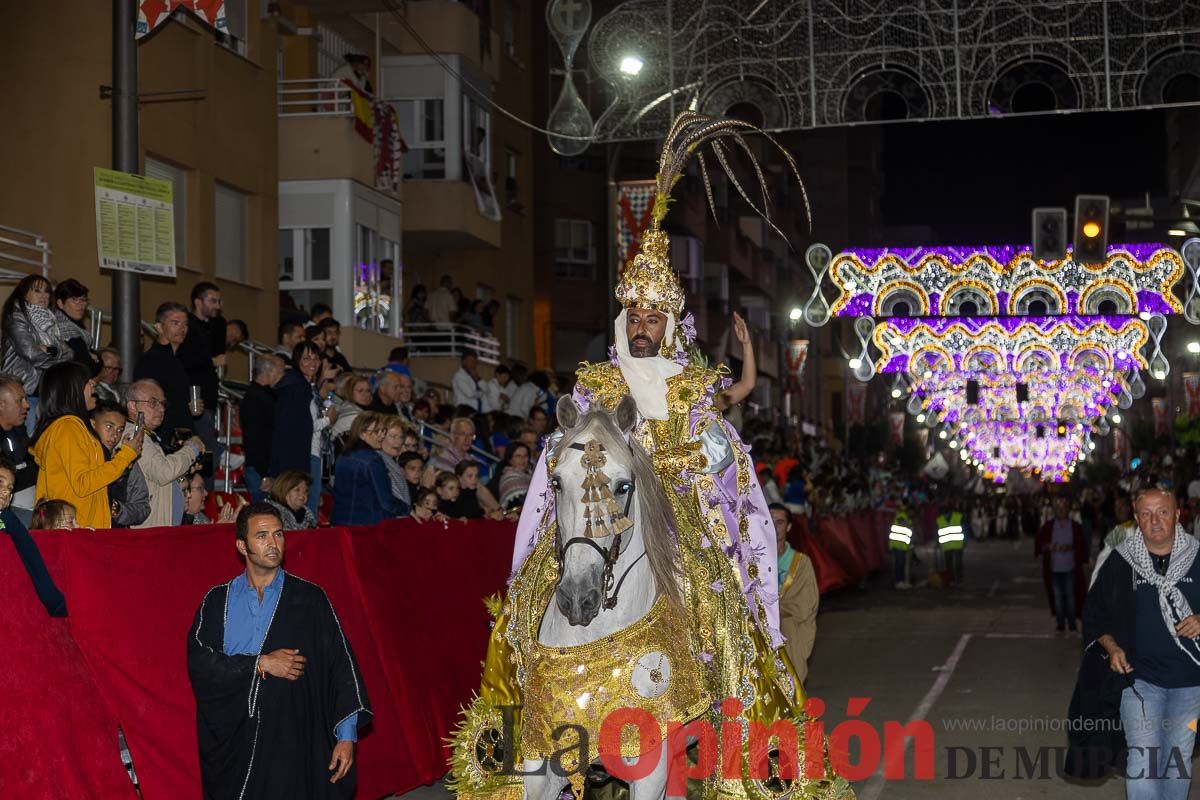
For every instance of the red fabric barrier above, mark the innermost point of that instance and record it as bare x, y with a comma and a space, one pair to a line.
862, 526
419, 635
841, 544
60, 739
432, 623
830, 574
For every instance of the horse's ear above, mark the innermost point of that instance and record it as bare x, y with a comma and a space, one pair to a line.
626, 416
568, 413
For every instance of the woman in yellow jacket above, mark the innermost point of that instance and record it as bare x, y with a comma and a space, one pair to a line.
71, 463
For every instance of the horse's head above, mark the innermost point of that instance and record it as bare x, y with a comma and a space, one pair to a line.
607, 499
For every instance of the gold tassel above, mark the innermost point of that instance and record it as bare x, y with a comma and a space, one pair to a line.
621, 524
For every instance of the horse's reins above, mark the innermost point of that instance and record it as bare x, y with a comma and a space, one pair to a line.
597, 493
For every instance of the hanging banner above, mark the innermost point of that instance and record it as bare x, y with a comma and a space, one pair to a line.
1118, 439
856, 403
1191, 390
896, 425
152, 13
923, 437
635, 205
1162, 424
796, 355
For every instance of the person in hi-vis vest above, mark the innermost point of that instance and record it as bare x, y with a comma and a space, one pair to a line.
900, 543
952, 536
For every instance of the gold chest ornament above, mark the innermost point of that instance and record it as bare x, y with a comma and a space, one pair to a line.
584, 684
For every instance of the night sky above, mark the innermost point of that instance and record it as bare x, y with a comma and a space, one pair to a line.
977, 181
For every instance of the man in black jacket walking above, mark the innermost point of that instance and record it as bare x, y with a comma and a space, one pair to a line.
257, 414
161, 364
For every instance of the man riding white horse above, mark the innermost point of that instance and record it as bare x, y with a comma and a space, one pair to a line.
717, 603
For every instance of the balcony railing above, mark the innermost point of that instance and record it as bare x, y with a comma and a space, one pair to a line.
315, 97
21, 253
432, 339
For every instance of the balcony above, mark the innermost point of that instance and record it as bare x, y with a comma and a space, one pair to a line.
446, 26
445, 215
327, 130
728, 245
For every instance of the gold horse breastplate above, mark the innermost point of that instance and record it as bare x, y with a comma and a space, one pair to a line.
584, 684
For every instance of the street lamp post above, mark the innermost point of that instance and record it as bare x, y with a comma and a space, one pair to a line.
126, 288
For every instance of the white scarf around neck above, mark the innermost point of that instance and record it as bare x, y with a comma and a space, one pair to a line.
1171, 602
646, 377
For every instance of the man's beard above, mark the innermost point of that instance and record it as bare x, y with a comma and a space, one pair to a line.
641, 346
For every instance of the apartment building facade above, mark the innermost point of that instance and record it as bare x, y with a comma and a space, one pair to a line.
216, 143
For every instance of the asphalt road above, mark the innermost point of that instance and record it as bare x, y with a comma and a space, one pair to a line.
982, 664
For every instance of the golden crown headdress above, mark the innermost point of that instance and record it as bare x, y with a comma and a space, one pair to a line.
649, 281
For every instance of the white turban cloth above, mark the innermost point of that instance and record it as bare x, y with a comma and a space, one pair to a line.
646, 377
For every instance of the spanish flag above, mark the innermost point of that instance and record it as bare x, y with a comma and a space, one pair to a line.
364, 114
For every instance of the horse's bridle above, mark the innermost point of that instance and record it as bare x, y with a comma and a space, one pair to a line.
614, 551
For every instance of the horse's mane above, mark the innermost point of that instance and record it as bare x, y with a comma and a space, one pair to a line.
655, 514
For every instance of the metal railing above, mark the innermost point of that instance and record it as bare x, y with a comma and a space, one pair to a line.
434, 339
434, 437
230, 392
315, 97
24, 248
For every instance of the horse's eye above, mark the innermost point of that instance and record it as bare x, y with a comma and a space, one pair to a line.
624, 486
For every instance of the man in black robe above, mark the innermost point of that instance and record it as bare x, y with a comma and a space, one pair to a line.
278, 692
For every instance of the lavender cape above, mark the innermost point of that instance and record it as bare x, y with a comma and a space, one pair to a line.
756, 556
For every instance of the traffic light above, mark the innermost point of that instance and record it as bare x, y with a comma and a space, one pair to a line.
1049, 234
1091, 228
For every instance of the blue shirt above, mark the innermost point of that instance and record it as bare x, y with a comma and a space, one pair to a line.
246, 627
1157, 658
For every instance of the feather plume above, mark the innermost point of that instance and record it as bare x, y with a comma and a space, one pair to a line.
688, 135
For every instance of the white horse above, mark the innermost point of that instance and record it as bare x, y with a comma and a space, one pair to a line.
606, 583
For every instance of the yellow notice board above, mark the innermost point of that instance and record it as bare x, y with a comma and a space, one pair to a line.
135, 223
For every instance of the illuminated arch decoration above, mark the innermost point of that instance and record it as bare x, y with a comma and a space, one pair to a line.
903, 299
1139, 278
1118, 295
1047, 449
897, 338
861, 101
967, 297
825, 59
1032, 292
1073, 394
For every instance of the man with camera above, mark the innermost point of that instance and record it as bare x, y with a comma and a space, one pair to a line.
147, 403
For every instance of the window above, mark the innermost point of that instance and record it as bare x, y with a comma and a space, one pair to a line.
231, 228
237, 26
574, 255
477, 130
512, 192
477, 156
423, 125
304, 267
433, 120
510, 29
178, 180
